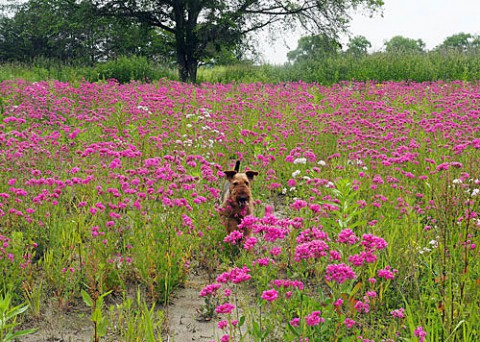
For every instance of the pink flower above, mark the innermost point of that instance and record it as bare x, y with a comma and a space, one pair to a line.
339, 273
236, 275
276, 251
222, 324
372, 242
311, 250
338, 302
209, 289
298, 204
233, 238
347, 236
287, 283
349, 323
225, 338
250, 243
420, 333
386, 273
314, 233
270, 295
295, 322
362, 306
263, 262
225, 308
399, 313
314, 318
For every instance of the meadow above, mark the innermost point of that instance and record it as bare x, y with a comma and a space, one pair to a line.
366, 224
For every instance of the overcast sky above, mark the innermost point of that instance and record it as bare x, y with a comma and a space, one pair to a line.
429, 20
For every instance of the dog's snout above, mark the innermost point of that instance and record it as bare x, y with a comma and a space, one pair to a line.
243, 198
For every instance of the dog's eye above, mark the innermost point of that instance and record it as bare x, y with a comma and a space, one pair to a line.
235, 183
246, 183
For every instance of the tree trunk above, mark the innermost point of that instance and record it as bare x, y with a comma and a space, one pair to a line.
186, 15
187, 63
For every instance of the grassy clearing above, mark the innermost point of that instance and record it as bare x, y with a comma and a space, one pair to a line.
366, 219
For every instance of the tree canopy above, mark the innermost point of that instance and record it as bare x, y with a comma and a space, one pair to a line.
358, 45
461, 42
314, 47
72, 32
403, 44
201, 27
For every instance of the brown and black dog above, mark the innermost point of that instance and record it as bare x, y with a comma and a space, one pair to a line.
237, 201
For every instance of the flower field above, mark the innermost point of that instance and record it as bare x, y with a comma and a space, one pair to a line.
366, 222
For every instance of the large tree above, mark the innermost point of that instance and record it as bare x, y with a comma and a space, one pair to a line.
201, 27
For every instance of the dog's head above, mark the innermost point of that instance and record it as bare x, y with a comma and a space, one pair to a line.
240, 186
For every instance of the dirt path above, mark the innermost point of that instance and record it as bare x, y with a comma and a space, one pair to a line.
182, 313
182, 323
57, 327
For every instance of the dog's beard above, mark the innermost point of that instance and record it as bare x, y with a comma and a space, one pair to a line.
243, 202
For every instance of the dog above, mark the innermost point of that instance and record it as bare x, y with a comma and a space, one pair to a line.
236, 198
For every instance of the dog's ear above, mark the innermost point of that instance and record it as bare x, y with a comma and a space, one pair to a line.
230, 174
251, 174
237, 165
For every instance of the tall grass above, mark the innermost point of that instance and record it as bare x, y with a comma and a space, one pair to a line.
381, 66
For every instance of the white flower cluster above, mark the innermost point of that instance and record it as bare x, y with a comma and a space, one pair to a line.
472, 192
432, 244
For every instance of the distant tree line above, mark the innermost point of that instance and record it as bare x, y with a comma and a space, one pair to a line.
315, 47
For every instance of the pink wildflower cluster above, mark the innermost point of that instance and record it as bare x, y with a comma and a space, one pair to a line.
236, 275
347, 236
225, 308
234, 237
373, 243
387, 273
270, 295
339, 273
420, 333
270, 227
314, 318
287, 283
210, 289
311, 234
311, 250
398, 313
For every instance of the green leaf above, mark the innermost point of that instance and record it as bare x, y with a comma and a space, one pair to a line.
256, 329
97, 315
265, 334
16, 311
86, 298
293, 330
22, 333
